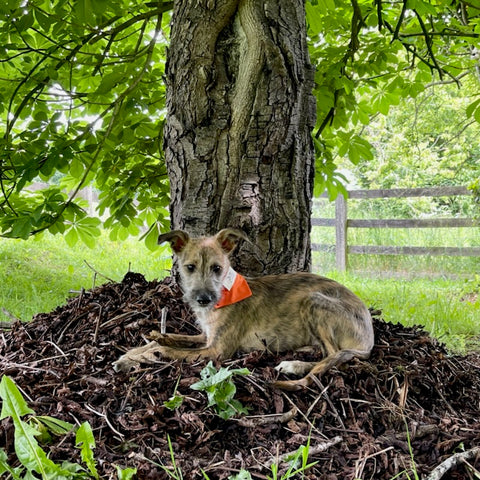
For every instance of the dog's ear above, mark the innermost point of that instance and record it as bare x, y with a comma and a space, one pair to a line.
178, 239
228, 239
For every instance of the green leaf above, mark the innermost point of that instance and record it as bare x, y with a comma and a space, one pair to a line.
473, 107
476, 114
14, 404
241, 475
109, 81
174, 402
45, 21
86, 441
55, 425
212, 378
22, 227
313, 18
24, 22
6, 468
71, 237
359, 149
27, 449
76, 168
83, 228
83, 9
8, 5
151, 238
99, 7
220, 389
424, 8
125, 473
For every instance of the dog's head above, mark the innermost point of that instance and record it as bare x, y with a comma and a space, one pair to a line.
204, 263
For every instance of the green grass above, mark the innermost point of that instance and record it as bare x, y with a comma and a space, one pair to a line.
38, 274
448, 309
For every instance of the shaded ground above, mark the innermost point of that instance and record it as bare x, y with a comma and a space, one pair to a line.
360, 415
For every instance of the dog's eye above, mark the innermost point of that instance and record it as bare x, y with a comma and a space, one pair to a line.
190, 268
216, 268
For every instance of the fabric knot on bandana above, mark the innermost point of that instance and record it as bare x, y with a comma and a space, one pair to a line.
235, 289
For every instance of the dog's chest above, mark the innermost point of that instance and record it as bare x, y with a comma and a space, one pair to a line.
206, 321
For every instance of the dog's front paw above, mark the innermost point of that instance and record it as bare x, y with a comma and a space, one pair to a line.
146, 354
293, 367
124, 364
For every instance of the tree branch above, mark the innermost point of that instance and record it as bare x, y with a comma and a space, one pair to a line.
400, 21
428, 43
452, 462
356, 25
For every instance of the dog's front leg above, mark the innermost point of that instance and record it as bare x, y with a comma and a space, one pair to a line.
178, 340
152, 352
135, 356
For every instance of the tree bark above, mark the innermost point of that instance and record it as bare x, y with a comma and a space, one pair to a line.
240, 111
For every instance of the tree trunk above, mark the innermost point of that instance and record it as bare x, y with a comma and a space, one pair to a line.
238, 141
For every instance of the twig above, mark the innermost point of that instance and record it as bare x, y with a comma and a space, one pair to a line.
120, 317
163, 321
97, 324
22, 366
333, 410
104, 416
428, 43
313, 405
98, 273
79, 300
257, 420
451, 462
472, 468
54, 345
9, 315
312, 426
360, 463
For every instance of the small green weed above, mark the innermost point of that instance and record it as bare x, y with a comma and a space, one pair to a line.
220, 389
241, 475
413, 466
33, 459
298, 464
175, 400
175, 472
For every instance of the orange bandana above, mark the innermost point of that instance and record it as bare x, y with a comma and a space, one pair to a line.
235, 289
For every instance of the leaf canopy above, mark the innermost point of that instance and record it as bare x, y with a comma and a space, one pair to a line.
82, 99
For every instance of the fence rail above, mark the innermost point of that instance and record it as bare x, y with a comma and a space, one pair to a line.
342, 223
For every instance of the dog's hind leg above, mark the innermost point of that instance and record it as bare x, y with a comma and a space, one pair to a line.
314, 369
342, 325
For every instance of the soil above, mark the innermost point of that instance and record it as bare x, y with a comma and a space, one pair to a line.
368, 419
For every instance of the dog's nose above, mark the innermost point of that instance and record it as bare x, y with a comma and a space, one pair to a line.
204, 299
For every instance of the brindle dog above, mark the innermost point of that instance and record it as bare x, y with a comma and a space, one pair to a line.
284, 312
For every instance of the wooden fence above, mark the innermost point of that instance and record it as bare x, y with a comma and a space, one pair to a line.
342, 223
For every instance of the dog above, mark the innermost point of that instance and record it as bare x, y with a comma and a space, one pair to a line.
274, 312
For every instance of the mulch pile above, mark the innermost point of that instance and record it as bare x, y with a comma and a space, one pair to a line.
368, 419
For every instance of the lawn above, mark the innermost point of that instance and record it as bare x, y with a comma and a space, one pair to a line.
39, 274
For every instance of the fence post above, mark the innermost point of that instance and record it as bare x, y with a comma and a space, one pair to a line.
341, 232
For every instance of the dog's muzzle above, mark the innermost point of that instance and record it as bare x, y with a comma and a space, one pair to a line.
204, 299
